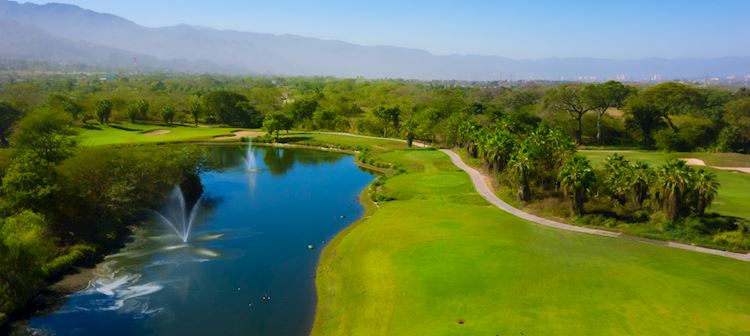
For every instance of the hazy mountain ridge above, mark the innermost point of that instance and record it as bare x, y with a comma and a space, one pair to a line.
247, 52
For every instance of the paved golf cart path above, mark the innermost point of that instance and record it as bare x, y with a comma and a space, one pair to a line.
483, 186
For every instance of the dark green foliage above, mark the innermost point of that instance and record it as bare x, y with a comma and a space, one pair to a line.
65, 104
103, 110
25, 247
138, 110
47, 133
277, 122
644, 119
8, 117
167, 114
577, 181
119, 185
227, 107
303, 109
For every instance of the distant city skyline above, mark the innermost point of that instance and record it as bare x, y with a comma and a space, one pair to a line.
524, 30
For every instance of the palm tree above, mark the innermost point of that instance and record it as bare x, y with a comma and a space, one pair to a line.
671, 188
617, 173
644, 118
577, 179
522, 168
640, 179
704, 189
467, 136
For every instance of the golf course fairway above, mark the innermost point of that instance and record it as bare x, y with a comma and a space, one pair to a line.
440, 260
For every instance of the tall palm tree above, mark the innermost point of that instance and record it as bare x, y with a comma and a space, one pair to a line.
640, 179
616, 180
671, 188
522, 168
577, 179
704, 188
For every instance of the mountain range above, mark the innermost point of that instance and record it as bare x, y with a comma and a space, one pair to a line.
61, 33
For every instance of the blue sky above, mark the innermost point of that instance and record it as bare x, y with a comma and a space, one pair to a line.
534, 29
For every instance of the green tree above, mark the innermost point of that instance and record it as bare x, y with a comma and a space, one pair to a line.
577, 179
103, 110
672, 98
195, 109
64, 104
644, 118
167, 114
641, 177
47, 133
8, 117
522, 170
303, 109
138, 110
671, 188
275, 122
25, 247
704, 187
409, 131
226, 106
30, 183
389, 116
325, 118
616, 180
602, 97
570, 99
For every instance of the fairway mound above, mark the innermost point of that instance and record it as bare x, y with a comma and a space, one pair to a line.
157, 132
698, 162
240, 134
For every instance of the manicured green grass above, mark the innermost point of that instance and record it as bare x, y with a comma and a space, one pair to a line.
134, 133
655, 158
732, 199
440, 255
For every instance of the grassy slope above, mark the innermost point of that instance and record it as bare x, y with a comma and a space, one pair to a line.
133, 133
732, 197
441, 254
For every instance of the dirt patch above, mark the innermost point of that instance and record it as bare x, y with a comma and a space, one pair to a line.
240, 134
74, 282
157, 132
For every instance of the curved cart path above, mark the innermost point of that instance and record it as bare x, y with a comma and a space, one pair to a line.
483, 186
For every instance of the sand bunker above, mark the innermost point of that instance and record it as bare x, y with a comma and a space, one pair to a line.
694, 162
240, 134
699, 162
157, 132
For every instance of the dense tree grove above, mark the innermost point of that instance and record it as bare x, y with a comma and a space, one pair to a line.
60, 204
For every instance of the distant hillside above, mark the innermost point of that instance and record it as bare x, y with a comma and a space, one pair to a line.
205, 49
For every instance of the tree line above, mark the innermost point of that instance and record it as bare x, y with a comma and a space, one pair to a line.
669, 116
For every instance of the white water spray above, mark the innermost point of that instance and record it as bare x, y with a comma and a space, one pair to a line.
176, 215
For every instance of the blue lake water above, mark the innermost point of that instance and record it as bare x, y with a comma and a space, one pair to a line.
248, 268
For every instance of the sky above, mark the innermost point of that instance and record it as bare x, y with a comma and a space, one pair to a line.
530, 29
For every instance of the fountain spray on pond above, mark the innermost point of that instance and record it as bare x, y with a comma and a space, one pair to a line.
177, 216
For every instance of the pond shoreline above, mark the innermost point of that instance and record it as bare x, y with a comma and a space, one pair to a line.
78, 277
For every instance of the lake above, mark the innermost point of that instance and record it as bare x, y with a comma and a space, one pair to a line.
249, 266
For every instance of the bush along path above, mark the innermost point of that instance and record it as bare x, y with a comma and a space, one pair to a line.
481, 183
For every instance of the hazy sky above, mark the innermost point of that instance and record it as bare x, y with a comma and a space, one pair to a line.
520, 29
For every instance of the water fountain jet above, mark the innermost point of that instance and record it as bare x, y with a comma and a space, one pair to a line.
176, 215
